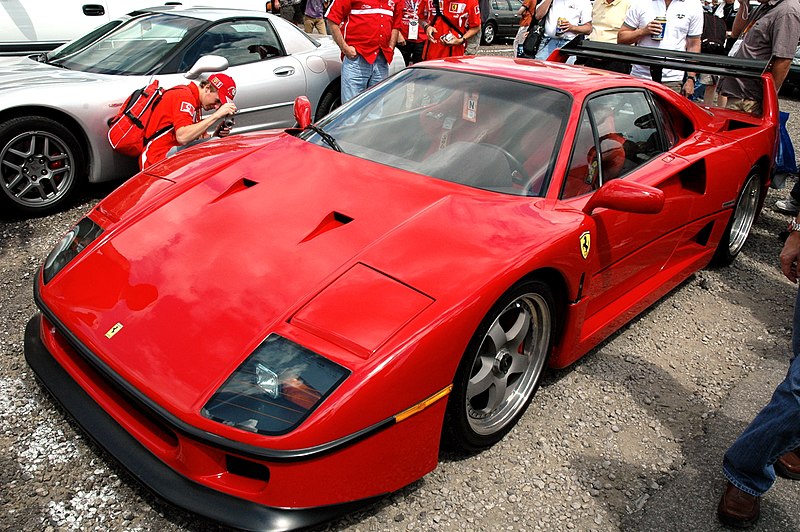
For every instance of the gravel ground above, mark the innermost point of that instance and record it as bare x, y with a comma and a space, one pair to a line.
628, 438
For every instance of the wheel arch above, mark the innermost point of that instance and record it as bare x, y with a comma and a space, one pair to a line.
59, 116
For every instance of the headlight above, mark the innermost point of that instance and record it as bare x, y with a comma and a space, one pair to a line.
277, 387
73, 243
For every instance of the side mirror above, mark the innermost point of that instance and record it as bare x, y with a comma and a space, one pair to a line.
626, 196
302, 111
207, 63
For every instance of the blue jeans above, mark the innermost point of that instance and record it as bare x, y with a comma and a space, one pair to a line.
549, 44
774, 431
358, 75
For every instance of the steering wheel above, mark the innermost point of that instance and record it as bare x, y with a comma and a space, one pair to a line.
518, 172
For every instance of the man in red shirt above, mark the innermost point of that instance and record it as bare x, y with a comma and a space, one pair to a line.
366, 32
412, 38
450, 23
176, 120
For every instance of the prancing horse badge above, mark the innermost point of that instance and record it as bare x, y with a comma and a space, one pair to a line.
586, 242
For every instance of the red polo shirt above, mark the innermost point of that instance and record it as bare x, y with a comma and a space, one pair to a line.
180, 106
463, 14
367, 25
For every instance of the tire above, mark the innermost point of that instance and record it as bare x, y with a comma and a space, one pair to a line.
41, 165
508, 351
329, 101
738, 229
489, 34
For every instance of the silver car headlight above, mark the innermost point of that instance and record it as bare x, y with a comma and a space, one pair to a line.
73, 243
275, 388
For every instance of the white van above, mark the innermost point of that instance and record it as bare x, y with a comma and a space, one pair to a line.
30, 26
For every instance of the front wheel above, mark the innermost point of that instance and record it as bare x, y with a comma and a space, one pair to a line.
741, 222
329, 101
501, 368
41, 163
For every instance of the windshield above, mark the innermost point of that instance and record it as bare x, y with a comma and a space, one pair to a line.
484, 132
135, 48
73, 46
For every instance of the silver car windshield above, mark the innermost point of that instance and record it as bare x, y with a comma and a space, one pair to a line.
485, 132
134, 48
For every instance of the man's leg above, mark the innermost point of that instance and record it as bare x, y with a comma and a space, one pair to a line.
775, 431
355, 77
379, 71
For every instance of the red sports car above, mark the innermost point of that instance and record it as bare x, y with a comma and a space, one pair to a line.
271, 329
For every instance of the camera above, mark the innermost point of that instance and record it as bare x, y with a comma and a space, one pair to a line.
228, 122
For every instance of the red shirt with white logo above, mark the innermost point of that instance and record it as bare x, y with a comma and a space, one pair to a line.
367, 25
180, 106
463, 14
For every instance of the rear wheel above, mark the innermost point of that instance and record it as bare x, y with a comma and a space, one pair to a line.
489, 33
741, 222
41, 163
502, 367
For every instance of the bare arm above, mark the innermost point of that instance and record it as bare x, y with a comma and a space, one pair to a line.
790, 256
541, 9
583, 29
628, 35
336, 33
740, 22
780, 69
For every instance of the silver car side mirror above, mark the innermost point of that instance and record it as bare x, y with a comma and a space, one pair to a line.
207, 63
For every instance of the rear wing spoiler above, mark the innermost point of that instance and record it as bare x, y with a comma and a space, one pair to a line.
642, 55
721, 65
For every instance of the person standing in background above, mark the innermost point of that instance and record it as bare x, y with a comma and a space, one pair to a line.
371, 29
448, 25
566, 19
313, 17
680, 28
525, 12
474, 42
607, 19
411, 41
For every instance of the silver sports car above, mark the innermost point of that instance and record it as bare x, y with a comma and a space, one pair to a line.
54, 107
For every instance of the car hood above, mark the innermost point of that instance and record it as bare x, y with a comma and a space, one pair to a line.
293, 235
25, 73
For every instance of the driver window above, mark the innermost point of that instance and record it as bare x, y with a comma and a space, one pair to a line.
622, 127
240, 42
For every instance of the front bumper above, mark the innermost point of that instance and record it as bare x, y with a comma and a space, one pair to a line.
152, 472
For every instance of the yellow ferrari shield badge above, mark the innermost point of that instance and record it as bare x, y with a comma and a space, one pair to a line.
114, 330
586, 242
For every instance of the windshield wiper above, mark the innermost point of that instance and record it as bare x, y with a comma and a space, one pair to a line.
329, 140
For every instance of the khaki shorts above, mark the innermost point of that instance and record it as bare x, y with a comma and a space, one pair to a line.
740, 104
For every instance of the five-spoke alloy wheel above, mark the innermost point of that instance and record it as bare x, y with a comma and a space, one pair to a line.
40, 162
502, 367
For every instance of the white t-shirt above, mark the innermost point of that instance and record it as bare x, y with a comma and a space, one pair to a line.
577, 12
684, 19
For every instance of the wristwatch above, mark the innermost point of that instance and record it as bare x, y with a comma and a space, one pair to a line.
793, 226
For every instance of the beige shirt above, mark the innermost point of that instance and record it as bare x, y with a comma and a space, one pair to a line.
607, 19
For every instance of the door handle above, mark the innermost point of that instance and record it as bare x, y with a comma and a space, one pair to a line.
93, 10
283, 71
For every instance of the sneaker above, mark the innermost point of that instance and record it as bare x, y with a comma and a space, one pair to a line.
787, 206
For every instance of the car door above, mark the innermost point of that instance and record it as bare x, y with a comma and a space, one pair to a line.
621, 136
267, 78
513, 19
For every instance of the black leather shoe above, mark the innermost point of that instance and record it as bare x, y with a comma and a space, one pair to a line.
788, 465
737, 508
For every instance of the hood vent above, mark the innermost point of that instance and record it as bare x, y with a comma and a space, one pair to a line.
238, 186
331, 221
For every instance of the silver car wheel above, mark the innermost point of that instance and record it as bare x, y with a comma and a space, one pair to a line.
744, 214
36, 169
508, 364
